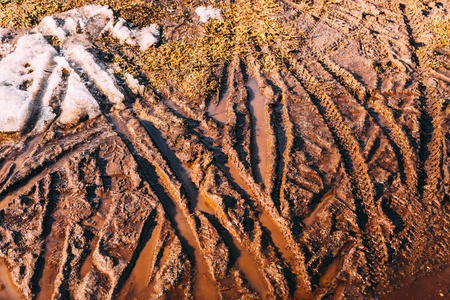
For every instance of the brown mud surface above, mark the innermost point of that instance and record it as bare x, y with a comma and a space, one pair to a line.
324, 176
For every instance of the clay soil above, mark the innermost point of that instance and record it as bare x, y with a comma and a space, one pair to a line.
323, 176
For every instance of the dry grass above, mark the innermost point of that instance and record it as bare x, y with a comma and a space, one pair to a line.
441, 43
442, 29
248, 27
28, 13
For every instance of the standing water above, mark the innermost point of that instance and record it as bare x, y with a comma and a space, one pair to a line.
258, 111
219, 111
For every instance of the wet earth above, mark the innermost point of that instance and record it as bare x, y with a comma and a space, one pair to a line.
327, 178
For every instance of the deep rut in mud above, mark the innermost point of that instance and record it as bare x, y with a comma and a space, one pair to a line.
326, 177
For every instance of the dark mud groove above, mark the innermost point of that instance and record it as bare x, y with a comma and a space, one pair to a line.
430, 151
175, 164
47, 222
411, 38
431, 138
278, 121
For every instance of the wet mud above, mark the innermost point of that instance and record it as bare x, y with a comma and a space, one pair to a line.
326, 177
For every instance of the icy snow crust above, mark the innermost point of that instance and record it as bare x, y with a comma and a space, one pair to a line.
205, 13
21, 75
37, 81
143, 38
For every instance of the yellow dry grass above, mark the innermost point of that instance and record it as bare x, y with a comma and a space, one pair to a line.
248, 27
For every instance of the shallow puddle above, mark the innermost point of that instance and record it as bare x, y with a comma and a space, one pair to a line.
258, 111
219, 111
251, 272
315, 215
140, 277
7, 288
433, 286
201, 287
331, 271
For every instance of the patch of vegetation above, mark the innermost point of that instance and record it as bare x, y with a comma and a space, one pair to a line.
442, 29
187, 62
248, 27
28, 13
437, 64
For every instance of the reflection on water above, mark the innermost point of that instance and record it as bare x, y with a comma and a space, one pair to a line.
7, 288
219, 111
434, 286
257, 109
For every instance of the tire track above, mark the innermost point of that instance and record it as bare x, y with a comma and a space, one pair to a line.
371, 101
431, 137
225, 213
356, 169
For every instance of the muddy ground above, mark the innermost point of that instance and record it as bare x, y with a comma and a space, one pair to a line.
325, 177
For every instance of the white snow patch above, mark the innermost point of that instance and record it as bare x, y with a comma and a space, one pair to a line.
49, 26
144, 37
102, 79
74, 22
205, 13
21, 75
122, 32
133, 84
78, 102
5, 49
148, 36
35, 78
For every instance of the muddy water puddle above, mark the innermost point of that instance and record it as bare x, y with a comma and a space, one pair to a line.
276, 236
258, 111
139, 285
434, 286
219, 110
315, 215
54, 244
251, 272
203, 289
181, 170
8, 289
331, 271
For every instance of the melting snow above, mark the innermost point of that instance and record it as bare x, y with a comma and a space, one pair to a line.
103, 81
205, 13
134, 85
144, 37
37, 81
21, 76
